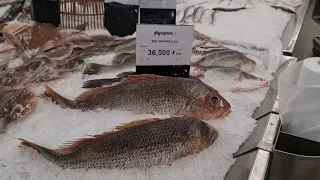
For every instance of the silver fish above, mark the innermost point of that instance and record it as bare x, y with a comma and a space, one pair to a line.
232, 79
224, 57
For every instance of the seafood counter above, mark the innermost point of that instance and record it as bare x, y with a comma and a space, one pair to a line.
73, 107
80, 87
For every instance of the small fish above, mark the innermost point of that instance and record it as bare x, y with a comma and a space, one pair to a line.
119, 61
149, 94
15, 104
225, 57
188, 12
100, 82
127, 45
140, 144
228, 9
232, 79
284, 9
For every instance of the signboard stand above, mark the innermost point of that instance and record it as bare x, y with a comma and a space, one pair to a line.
162, 47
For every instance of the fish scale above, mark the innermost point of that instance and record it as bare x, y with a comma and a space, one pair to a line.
159, 142
154, 94
226, 58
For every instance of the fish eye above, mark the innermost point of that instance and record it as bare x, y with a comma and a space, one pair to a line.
214, 99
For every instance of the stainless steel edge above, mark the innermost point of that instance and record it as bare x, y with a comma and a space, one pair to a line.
263, 136
290, 36
254, 155
260, 165
270, 103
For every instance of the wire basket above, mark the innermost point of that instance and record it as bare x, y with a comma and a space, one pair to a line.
74, 13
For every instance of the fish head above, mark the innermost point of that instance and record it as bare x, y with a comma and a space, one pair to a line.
211, 105
247, 64
251, 82
208, 134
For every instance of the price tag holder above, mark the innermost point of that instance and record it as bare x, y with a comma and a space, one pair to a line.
157, 11
164, 49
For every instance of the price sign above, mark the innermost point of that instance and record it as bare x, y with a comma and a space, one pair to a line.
158, 4
164, 45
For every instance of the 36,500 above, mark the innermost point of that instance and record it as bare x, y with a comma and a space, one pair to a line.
160, 52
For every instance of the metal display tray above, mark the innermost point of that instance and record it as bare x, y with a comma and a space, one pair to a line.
254, 154
292, 30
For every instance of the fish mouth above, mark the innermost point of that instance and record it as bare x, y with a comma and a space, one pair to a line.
225, 114
264, 84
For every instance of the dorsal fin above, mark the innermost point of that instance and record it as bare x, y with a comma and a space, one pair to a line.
135, 78
84, 96
72, 146
130, 79
137, 123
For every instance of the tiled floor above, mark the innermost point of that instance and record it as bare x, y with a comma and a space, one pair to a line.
309, 30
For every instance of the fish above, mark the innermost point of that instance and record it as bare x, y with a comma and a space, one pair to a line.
228, 9
150, 94
224, 57
15, 105
285, 9
234, 80
188, 12
140, 144
12, 12
59, 52
28, 37
126, 45
6, 56
119, 61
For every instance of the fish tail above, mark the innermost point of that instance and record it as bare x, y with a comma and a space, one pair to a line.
100, 82
93, 68
65, 103
45, 152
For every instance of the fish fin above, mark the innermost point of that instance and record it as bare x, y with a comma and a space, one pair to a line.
128, 73
40, 149
137, 123
84, 96
99, 82
130, 79
71, 146
93, 68
29, 144
135, 78
58, 98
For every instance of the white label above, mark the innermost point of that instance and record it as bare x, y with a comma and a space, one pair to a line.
163, 45
158, 4
128, 2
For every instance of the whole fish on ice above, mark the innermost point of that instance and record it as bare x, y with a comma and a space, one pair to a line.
232, 79
139, 144
149, 94
119, 61
222, 57
15, 104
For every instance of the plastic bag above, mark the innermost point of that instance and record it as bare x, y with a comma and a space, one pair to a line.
300, 101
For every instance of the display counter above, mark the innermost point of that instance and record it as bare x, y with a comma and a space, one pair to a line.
254, 154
